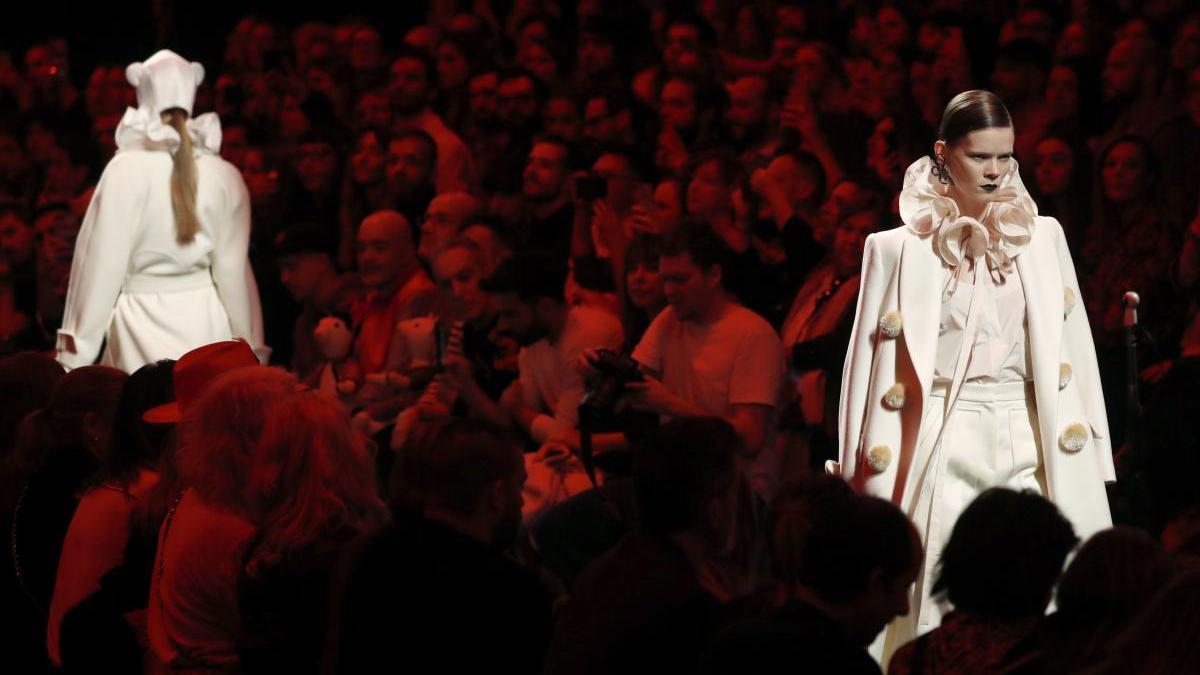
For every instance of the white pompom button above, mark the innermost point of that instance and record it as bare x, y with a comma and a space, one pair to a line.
1073, 438
879, 457
894, 397
1064, 375
891, 324
1068, 301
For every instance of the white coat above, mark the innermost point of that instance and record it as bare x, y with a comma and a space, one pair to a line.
901, 279
135, 290
133, 283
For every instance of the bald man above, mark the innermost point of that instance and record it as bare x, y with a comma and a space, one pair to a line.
395, 285
445, 218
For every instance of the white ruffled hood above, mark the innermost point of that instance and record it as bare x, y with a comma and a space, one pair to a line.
999, 236
165, 81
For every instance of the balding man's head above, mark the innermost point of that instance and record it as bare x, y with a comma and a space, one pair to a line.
385, 248
444, 219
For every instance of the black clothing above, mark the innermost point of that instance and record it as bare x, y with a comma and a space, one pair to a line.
637, 609
419, 596
795, 638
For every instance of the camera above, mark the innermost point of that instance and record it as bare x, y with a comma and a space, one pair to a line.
598, 414
591, 187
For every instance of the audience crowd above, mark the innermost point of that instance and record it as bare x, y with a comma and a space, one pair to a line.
559, 295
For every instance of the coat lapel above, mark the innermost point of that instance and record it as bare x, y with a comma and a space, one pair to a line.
920, 305
1041, 281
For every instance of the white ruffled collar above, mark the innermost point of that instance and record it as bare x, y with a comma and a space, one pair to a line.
142, 131
999, 236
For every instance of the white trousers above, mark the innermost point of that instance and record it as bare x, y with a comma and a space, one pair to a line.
990, 440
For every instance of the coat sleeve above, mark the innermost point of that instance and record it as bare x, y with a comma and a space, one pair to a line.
101, 261
1081, 351
231, 265
860, 355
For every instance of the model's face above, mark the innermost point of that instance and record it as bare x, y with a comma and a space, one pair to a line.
978, 164
1054, 165
1124, 173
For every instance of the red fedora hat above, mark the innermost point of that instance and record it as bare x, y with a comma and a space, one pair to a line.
193, 373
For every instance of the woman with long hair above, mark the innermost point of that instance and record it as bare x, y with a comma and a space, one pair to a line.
192, 616
312, 490
160, 264
971, 363
100, 528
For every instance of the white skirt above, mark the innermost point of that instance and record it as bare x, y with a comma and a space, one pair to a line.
991, 440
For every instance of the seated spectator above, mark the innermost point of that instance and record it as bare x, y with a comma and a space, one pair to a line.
394, 285
100, 528
193, 619
364, 190
307, 271
640, 608
454, 602
544, 401
411, 158
643, 299
493, 239
445, 218
311, 491
1114, 575
845, 563
815, 333
1161, 638
997, 570
550, 215
411, 89
55, 450
705, 354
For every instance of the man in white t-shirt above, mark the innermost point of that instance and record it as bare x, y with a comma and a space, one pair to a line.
705, 354
528, 292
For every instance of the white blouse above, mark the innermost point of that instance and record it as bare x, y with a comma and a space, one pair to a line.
1001, 350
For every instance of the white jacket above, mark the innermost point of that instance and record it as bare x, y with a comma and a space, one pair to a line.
135, 285
902, 277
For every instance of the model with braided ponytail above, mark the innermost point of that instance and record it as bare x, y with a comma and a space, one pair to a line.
160, 264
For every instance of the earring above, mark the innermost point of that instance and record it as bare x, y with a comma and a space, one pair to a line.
939, 169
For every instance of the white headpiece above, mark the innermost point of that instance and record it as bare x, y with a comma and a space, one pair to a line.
165, 81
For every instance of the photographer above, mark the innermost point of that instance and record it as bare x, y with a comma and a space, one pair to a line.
707, 355
544, 401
